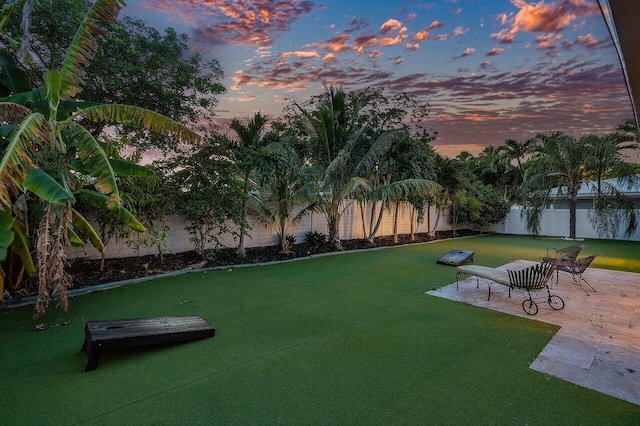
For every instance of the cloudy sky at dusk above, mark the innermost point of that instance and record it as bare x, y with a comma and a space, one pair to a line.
490, 70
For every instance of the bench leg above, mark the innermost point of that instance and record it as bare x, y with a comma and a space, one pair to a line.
94, 357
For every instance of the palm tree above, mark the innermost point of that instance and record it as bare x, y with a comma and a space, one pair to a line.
349, 154
611, 207
49, 159
286, 193
562, 162
248, 155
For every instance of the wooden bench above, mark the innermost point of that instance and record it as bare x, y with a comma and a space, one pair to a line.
127, 333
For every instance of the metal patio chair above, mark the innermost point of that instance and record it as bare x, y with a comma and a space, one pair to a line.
576, 269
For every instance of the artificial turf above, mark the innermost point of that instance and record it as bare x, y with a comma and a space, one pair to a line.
347, 339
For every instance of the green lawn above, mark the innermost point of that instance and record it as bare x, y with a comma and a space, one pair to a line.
347, 339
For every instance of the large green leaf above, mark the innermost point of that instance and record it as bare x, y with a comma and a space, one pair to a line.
46, 187
52, 81
19, 153
83, 226
85, 44
6, 232
123, 215
20, 245
95, 162
126, 168
140, 117
12, 76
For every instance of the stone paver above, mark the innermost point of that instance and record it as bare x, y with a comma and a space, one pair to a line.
598, 344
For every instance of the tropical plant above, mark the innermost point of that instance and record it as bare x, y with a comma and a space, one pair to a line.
49, 160
135, 64
348, 139
563, 164
205, 191
247, 154
286, 193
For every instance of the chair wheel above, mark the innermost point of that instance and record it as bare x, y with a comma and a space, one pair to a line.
530, 307
556, 302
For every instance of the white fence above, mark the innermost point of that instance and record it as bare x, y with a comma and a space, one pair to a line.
555, 222
350, 228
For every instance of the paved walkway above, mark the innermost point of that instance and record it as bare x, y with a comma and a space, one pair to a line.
598, 344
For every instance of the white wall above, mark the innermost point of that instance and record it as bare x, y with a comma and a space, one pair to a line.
350, 228
555, 222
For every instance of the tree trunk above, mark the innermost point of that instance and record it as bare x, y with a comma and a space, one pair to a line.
429, 232
242, 251
334, 233
372, 233
412, 218
395, 223
573, 203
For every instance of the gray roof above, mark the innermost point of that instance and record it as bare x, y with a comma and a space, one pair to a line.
588, 189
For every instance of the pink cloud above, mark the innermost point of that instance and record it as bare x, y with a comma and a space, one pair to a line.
248, 22
495, 51
390, 25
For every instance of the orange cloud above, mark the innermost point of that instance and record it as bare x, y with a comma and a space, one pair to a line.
544, 17
390, 25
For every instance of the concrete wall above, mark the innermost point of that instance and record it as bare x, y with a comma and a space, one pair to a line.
555, 222
350, 228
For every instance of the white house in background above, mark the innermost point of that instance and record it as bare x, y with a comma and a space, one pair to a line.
555, 218
588, 191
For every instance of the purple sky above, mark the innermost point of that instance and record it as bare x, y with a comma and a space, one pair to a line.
490, 70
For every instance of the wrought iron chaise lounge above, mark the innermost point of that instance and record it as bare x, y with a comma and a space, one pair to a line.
533, 278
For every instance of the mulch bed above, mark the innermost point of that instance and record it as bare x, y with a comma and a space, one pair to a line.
86, 272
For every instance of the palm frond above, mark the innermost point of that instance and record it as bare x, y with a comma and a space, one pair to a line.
141, 118
402, 189
85, 44
17, 158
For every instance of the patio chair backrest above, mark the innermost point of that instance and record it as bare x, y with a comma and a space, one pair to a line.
569, 253
532, 278
580, 265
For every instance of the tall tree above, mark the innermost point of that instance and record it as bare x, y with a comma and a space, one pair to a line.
136, 65
247, 153
205, 191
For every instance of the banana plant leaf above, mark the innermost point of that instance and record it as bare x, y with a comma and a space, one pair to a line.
46, 187
83, 226
84, 45
6, 232
20, 245
123, 215
74, 239
14, 78
141, 118
95, 162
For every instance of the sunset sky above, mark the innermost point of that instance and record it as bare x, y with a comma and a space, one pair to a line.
490, 70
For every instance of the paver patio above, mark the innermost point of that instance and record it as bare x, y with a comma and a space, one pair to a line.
598, 344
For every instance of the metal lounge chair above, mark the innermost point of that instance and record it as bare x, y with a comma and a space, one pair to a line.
536, 278
576, 268
533, 278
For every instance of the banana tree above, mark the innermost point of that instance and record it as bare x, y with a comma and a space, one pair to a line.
49, 159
